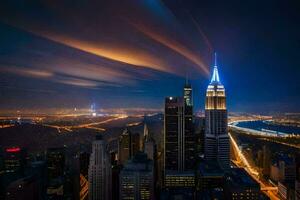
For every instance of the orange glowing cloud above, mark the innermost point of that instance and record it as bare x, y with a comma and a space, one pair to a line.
58, 78
123, 54
22, 71
174, 45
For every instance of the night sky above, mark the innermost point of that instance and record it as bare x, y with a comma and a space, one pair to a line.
133, 53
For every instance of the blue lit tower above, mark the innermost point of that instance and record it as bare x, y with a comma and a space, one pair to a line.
217, 146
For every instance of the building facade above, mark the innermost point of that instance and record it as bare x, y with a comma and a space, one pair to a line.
217, 146
179, 135
129, 145
188, 128
148, 143
174, 134
99, 171
137, 179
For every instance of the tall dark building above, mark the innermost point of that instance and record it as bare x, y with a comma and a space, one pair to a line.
99, 171
13, 167
179, 135
14, 161
129, 145
55, 163
239, 185
217, 146
137, 178
188, 127
199, 128
124, 147
174, 134
55, 172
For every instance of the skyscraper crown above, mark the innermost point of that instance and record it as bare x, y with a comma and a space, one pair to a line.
215, 77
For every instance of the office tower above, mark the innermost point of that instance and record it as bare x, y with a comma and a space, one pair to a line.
38, 170
240, 185
217, 146
260, 159
135, 144
287, 169
180, 179
99, 171
14, 161
179, 185
284, 170
136, 178
149, 145
124, 146
129, 145
13, 165
188, 127
55, 162
199, 135
210, 177
55, 172
266, 161
174, 134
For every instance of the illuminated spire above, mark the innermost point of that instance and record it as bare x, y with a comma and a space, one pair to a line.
215, 58
215, 76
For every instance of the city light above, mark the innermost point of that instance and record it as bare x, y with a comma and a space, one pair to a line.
13, 149
124, 100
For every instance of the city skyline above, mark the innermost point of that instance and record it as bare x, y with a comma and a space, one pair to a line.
47, 58
149, 100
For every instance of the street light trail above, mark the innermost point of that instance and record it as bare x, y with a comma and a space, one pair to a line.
268, 190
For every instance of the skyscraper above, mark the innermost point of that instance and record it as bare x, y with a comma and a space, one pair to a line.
179, 135
14, 161
124, 147
217, 146
99, 171
55, 172
188, 127
266, 161
174, 134
129, 145
149, 145
137, 178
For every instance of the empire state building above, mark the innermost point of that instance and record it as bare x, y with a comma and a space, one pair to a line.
217, 146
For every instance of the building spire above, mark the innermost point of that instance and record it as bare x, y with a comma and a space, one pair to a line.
215, 76
215, 58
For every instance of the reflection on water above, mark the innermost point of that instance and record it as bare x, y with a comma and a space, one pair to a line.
266, 125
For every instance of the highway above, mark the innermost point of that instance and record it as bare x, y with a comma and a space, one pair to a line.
242, 161
88, 125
